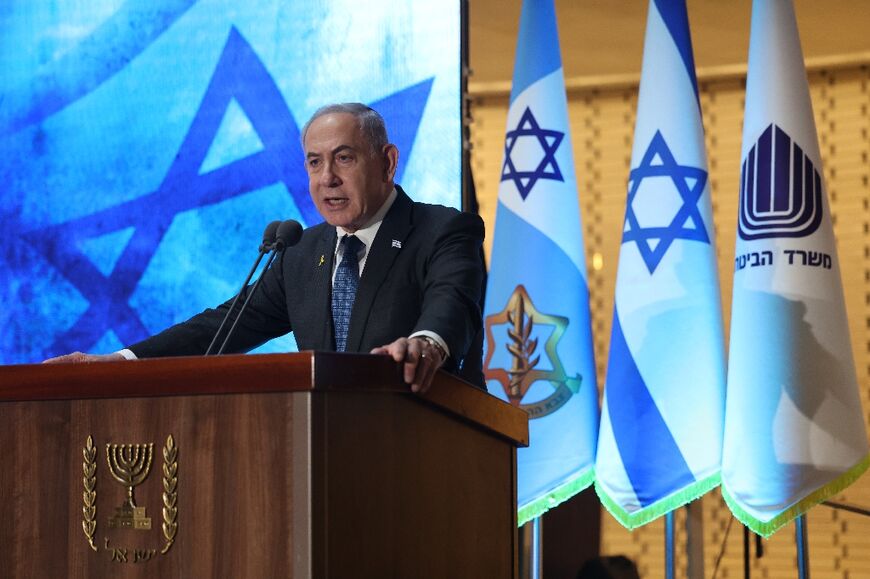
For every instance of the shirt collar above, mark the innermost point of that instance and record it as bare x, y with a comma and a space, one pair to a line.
367, 234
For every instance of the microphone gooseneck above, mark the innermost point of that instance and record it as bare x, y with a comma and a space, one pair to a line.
287, 234
270, 236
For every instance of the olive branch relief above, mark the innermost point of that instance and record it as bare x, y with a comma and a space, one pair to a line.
522, 347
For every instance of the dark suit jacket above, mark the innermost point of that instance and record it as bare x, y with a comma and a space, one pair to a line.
423, 272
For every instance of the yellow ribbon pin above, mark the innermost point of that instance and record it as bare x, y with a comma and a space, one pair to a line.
322, 260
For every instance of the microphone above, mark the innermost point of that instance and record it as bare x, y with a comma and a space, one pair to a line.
287, 234
269, 240
269, 235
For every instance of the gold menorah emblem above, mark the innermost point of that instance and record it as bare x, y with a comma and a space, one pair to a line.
130, 465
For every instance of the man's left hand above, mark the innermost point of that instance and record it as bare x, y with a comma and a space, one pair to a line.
421, 360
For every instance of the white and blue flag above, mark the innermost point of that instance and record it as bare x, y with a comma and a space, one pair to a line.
538, 333
661, 422
794, 430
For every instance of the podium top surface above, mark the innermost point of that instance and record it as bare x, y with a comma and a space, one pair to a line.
250, 374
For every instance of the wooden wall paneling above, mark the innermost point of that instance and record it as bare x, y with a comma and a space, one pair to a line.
585, 130
487, 155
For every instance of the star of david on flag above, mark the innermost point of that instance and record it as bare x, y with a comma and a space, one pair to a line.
660, 440
688, 182
538, 329
530, 136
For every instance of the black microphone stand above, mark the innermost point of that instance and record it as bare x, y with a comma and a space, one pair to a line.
245, 304
265, 247
288, 233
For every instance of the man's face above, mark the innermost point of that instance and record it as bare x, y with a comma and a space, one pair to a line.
348, 181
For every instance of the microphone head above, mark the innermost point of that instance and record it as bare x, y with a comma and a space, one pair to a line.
289, 233
269, 235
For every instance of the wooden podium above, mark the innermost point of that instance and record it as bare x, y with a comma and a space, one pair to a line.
285, 465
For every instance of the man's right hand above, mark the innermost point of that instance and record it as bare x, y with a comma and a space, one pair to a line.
81, 357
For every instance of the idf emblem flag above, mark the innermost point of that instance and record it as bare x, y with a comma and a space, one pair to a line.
661, 423
794, 431
538, 333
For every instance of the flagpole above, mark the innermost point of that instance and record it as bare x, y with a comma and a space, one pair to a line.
537, 559
670, 565
531, 550
695, 540
803, 558
746, 552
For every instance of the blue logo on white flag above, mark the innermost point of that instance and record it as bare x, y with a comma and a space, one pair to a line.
521, 148
654, 239
794, 429
780, 189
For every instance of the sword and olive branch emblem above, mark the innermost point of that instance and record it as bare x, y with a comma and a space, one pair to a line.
522, 317
522, 347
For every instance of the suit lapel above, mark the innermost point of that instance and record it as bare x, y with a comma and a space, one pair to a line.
382, 254
321, 288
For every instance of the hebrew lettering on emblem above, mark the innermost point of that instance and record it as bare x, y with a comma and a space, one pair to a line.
780, 189
808, 258
754, 259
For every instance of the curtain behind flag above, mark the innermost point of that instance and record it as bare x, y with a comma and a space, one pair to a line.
538, 332
661, 423
794, 431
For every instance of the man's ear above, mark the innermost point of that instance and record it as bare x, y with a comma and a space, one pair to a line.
391, 161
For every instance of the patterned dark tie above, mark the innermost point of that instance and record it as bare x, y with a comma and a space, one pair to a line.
344, 289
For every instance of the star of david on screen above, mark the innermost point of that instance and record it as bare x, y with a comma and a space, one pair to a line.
145, 144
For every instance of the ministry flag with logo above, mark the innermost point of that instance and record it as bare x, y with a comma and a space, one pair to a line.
794, 431
660, 441
538, 334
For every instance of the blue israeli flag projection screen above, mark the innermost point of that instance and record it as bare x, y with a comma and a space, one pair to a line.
144, 145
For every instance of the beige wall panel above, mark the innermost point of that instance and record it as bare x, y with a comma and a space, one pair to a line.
602, 125
487, 156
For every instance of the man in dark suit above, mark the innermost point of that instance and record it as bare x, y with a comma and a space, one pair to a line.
383, 274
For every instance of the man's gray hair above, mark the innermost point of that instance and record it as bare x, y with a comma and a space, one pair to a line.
371, 123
